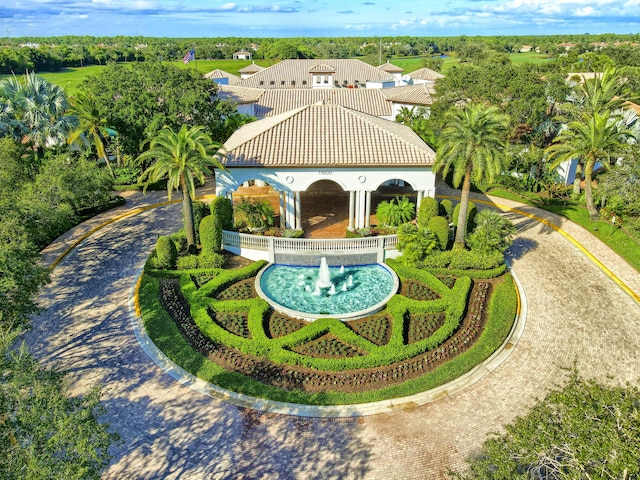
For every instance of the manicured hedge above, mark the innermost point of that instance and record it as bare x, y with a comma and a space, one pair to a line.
453, 302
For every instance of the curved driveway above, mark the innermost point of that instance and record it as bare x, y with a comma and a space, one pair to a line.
575, 313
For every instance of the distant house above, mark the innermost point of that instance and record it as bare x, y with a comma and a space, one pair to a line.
243, 55
249, 70
525, 48
424, 75
222, 78
318, 74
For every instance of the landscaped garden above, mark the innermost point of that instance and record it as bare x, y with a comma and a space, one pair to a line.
444, 320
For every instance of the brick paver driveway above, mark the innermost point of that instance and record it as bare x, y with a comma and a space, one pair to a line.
575, 313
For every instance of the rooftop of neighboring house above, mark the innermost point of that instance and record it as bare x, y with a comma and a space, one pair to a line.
334, 135
425, 74
221, 74
373, 101
299, 73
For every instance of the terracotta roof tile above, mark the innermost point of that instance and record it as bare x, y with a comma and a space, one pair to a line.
326, 136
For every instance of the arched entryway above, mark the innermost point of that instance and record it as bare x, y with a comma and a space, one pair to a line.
325, 210
389, 190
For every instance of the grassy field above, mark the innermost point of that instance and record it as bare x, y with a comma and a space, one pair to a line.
71, 78
414, 63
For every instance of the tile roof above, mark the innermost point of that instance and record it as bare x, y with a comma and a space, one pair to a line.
217, 73
297, 73
252, 69
271, 102
419, 94
391, 68
425, 74
240, 95
326, 136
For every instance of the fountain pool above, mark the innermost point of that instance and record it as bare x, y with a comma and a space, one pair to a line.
344, 292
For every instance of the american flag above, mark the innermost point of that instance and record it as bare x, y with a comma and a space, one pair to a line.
191, 55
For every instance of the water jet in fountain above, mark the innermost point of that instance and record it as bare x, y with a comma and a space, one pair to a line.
324, 275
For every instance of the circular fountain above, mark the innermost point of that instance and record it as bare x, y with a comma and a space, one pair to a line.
344, 292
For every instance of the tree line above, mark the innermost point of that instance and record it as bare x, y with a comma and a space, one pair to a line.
51, 54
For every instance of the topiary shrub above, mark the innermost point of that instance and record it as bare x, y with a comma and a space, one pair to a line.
166, 253
211, 234
472, 211
475, 260
446, 208
179, 239
200, 210
440, 227
428, 209
222, 208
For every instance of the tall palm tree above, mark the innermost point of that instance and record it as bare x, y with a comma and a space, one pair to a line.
602, 94
181, 157
597, 138
472, 144
91, 125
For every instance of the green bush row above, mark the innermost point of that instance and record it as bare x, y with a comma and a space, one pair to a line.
164, 333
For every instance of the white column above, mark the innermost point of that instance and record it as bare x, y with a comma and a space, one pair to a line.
291, 210
352, 201
358, 217
367, 222
283, 220
298, 224
419, 200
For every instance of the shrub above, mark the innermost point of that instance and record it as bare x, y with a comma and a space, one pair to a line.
438, 259
187, 262
415, 244
210, 260
166, 253
395, 212
428, 210
440, 227
179, 239
257, 214
493, 232
472, 211
364, 231
475, 260
446, 208
200, 210
292, 233
204, 260
210, 234
222, 208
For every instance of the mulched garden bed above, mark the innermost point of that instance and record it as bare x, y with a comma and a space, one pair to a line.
309, 380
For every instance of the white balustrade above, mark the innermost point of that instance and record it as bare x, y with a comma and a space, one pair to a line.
311, 245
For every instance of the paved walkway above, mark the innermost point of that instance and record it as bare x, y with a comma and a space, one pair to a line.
575, 313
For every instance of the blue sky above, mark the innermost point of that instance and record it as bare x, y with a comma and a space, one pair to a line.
313, 18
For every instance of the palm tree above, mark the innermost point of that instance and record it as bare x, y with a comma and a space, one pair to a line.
472, 145
36, 111
91, 125
181, 158
595, 139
